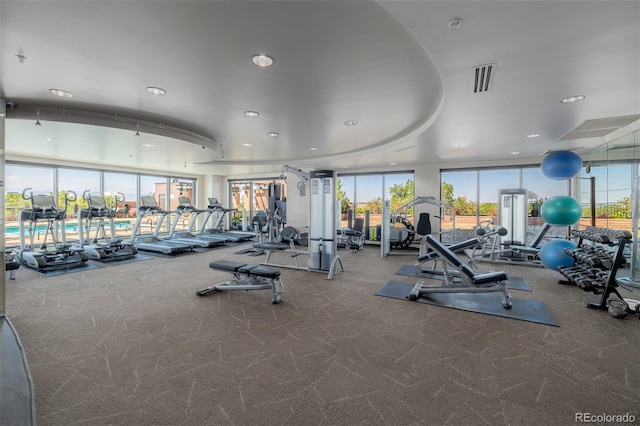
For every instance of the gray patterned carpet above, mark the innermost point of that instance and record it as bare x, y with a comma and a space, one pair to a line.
132, 345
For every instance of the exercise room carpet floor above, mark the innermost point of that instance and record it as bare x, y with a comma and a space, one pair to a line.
133, 345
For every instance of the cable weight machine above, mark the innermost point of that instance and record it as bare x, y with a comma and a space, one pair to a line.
323, 247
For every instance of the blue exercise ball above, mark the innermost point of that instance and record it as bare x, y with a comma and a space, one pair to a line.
560, 165
561, 210
553, 256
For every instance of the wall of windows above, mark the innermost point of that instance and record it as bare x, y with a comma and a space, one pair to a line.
247, 197
474, 196
361, 196
60, 181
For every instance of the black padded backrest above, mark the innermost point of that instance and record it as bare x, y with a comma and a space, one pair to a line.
424, 224
358, 224
456, 248
449, 255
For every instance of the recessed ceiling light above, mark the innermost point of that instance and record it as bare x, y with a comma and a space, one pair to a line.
247, 144
350, 123
148, 145
262, 61
533, 135
313, 148
251, 113
61, 93
344, 167
514, 152
454, 23
273, 134
572, 99
244, 156
393, 164
156, 90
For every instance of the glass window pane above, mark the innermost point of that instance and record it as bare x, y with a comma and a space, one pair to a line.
17, 179
491, 181
76, 181
542, 188
613, 187
368, 197
180, 188
156, 187
460, 190
125, 184
244, 203
399, 190
345, 192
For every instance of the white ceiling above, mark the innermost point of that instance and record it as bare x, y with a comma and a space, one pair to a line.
393, 66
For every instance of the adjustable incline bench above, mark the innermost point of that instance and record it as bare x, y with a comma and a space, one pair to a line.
471, 283
246, 277
459, 247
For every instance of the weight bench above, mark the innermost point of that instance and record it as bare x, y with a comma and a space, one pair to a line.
459, 247
471, 283
246, 277
290, 248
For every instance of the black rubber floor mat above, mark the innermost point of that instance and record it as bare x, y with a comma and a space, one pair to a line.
514, 283
62, 271
523, 309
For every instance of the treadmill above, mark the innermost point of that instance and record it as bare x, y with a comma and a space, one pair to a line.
152, 242
215, 207
206, 241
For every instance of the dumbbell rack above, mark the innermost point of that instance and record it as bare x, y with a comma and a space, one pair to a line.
595, 266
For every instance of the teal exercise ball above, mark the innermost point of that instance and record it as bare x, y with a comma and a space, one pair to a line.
553, 256
561, 165
561, 210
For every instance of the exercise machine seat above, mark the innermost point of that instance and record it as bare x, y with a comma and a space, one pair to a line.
489, 277
261, 271
271, 246
227, 265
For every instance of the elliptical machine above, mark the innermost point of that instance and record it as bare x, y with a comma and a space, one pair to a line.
58, 255
102, 247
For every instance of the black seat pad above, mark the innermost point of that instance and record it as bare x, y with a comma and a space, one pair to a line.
271, 246
261, 271
247, 268
226, 265
489, 277
458, 247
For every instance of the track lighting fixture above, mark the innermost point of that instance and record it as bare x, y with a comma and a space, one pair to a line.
138, 130
38, 119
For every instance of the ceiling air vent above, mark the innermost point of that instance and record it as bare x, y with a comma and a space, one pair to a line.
482, 76
599, 127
